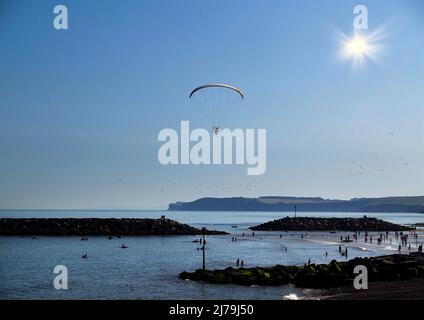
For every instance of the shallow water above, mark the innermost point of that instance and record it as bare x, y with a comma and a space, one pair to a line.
149, 268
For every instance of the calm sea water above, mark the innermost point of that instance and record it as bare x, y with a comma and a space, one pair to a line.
149, 267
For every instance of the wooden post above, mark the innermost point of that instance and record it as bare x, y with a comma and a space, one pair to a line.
203, 249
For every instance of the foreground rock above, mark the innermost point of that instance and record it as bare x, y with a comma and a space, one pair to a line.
329, 224
334, 274
97, 226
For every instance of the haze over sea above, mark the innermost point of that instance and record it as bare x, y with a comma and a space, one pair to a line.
149, 267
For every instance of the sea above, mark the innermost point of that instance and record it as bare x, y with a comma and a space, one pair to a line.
149, 267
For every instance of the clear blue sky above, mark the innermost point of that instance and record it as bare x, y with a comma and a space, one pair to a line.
80, 109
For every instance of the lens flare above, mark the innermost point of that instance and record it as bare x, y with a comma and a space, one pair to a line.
360, 47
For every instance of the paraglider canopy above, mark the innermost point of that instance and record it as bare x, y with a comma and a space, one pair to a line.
216, 100
219, 85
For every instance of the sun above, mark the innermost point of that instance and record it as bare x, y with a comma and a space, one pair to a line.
360, 47
357, 46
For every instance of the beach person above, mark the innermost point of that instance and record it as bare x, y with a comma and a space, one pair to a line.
400, 248
242, 263
309, 262
326, 254
238, 262
340, 249
253, 233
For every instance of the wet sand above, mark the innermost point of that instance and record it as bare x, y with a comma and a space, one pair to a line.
412, 289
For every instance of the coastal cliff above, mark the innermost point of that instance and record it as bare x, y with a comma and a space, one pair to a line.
97, 226
303, 204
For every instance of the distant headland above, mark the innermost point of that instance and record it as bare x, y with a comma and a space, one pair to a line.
412, 204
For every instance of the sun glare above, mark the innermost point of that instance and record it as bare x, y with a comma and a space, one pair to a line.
360, 47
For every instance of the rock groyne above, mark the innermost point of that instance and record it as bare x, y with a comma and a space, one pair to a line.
97, 226
329, 224
334, 274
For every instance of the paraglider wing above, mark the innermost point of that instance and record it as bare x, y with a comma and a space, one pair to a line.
216, 101
217, 85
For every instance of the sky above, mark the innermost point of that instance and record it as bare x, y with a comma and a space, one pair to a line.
81, 109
